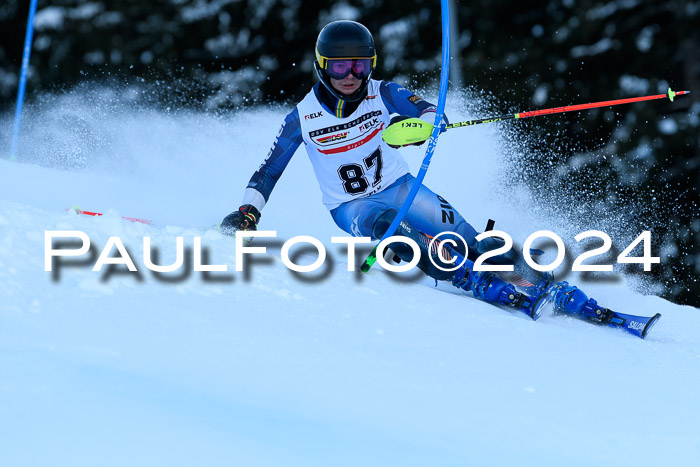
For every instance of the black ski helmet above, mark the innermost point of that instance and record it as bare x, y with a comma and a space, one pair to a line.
349, 40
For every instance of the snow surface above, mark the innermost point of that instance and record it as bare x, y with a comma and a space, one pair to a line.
122, 369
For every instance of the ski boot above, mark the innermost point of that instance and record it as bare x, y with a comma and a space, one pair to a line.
532, 282
571, 300
540, 287
490, 288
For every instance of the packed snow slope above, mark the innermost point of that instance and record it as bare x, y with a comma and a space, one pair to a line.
114, 368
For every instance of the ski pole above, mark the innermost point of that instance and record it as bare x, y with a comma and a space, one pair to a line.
82, 212
569, 108
77, 210
23, 79
432, 142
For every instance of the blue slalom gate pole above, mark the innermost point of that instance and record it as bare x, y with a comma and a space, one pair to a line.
23, 78
432, 142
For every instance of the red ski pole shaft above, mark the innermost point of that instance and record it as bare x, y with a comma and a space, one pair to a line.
77, 210
569, 108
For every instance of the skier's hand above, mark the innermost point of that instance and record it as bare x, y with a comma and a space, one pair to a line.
246, 218
406, 131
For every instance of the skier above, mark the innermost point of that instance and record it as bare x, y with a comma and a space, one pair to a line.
364, 181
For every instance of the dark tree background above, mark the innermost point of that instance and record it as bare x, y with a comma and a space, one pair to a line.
640, 160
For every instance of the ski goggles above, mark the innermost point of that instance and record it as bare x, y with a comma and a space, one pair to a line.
338, 68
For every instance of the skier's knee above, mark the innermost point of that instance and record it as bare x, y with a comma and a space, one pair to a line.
383, 222
405, 252
381, 225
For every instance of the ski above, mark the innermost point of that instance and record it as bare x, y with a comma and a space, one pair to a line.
636, 325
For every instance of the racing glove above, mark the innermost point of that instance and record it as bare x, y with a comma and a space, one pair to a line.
406, 131
246, 218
